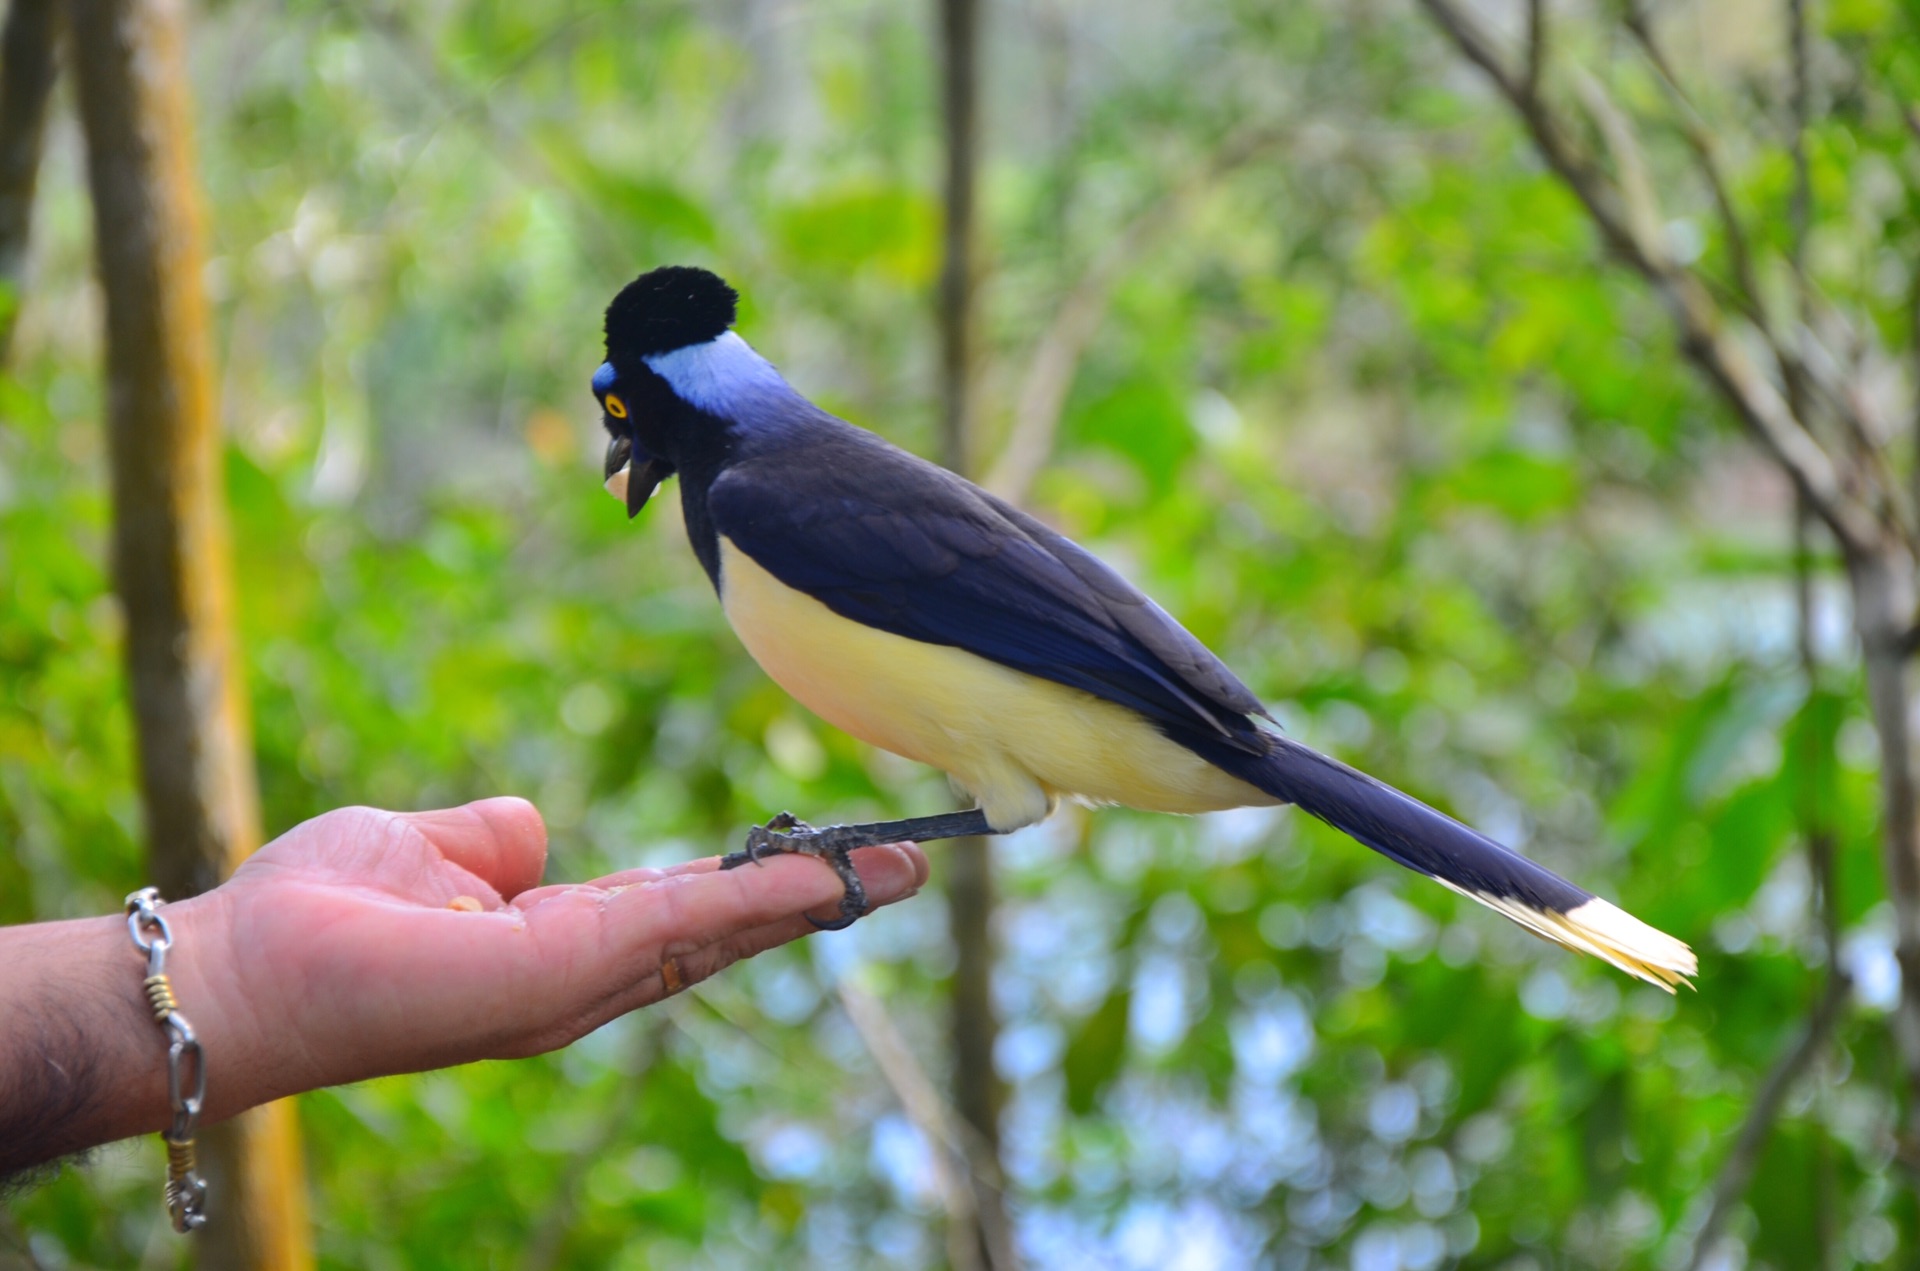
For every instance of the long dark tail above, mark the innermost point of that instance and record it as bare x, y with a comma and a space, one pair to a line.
1431, 843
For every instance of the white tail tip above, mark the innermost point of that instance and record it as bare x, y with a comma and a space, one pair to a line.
1608, 933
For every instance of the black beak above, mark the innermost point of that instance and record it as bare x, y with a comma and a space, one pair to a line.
619, 454
643, 481
642, 477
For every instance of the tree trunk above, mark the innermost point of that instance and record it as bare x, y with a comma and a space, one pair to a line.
977, 1092
960, 65
26, 83
171, 558
1883, 602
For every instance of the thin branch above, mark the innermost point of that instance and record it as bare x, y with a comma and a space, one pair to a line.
1882, 586
1737, 1171
706, 996
1801, 370
1706, 156
507, 141
952, 1139
1645, 220
1911, 116
1056, 355
962, 1162
549, 1239
1799, 376
1913, 317
1536, 45
1648, 224
1756, 401
1814, 829
1800, 210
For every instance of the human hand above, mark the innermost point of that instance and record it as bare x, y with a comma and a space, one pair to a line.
334, 954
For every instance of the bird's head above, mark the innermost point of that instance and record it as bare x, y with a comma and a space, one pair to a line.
674, 377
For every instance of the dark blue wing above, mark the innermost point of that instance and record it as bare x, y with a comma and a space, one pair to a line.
891, 541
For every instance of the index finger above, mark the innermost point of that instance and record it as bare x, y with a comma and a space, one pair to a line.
696, 904
699, 865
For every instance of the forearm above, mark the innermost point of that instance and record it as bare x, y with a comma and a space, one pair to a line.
364, 943
81, 1060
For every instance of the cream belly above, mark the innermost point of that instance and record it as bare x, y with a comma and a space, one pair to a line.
1014, 741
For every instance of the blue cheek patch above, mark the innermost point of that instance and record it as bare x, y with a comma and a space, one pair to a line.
603, 380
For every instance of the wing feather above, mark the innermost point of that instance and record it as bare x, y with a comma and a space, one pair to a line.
886, 539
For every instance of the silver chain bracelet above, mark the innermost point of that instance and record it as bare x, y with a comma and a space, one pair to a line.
186, 1190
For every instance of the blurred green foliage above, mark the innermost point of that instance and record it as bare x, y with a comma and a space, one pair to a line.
1368, 414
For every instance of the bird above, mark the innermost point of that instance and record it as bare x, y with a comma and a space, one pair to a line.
916, 611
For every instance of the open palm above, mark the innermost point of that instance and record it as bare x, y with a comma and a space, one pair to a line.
366, 942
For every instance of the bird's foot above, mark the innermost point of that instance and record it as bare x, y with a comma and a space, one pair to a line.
775, 838
834, 844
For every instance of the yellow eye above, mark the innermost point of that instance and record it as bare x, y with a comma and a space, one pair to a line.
616, 407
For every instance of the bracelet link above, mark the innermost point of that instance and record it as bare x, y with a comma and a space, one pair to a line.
182, 1052
186, 1191
160, 997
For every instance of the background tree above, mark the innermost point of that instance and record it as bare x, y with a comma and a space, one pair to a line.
1809, 400
26, 84
978, 1093
171, 560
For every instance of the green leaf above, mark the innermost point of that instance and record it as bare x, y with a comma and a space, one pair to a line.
1095, 1052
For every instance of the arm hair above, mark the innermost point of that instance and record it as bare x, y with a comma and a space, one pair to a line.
50, 1082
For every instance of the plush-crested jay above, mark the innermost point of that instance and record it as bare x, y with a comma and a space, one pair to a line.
916, 611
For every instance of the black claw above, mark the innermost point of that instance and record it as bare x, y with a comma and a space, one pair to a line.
786, 833
769, 840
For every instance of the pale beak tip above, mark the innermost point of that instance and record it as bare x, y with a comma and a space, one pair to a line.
617, 483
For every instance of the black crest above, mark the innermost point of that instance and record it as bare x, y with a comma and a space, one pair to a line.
667, 309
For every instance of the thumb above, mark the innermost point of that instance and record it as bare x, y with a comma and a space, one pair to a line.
503, 841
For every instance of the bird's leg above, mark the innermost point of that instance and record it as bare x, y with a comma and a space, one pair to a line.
835, 844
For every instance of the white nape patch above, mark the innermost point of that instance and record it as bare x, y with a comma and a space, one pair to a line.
723, 377
1605, 931
617, 483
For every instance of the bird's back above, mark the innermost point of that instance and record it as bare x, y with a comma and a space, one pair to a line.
889, 540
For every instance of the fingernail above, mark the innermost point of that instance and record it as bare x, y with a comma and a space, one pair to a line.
906, 882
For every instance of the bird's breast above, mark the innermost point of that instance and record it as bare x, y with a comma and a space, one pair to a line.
1014, 740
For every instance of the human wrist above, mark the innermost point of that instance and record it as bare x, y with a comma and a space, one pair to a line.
208, 989
80, 1061
83, 1060
248, 1060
